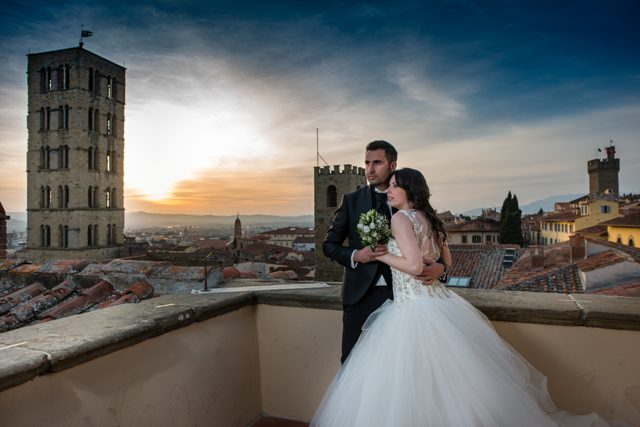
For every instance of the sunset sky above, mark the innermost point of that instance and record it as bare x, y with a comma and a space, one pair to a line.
224, 98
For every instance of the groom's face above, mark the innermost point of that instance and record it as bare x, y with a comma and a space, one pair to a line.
378, 168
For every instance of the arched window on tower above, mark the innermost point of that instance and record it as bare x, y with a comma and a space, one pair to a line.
109, 123
107, 197
96, 82
631, 244
109, 87
113, 197
91, 84
43, 118
90, 235
60, 117
48, 119
90, 158
49, 83
66, 117
65, 196
45, 236
47, 197
332, 196
90, 119
66, 76
96, 120
64, 157
43, 80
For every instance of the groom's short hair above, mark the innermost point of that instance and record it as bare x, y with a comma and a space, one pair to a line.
389, 151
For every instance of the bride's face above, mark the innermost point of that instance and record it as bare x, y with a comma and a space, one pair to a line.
396, 196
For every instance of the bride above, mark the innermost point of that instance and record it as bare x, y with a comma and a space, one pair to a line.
429, 358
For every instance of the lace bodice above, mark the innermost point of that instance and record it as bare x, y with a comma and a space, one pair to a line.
406, 286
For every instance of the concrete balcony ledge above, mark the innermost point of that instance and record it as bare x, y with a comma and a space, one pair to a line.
53, 346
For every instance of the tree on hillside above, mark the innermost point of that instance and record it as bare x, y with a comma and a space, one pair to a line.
511, 221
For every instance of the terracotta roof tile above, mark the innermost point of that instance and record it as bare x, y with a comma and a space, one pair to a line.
483, 263
560, 217
560, 280
478, 224
600, 260
629, 220
79, 303
16, 298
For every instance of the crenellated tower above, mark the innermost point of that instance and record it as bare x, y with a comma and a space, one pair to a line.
330, 184
603, 174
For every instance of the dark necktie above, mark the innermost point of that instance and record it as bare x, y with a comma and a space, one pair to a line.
381, 205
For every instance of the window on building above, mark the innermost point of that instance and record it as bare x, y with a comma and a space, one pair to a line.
113, 197
96, 120
65, 196
488, 238
66, 79
64, 157
109, 124
332, 196
47, 197
90, 119
64, 236
605, 209
43, 80
113, 124
460, 282
476, 238
111, 234
66, 117
631, 243
90, 237
464, 238
45, 236
107, 197
96, 82
109, 164
48, 119
91, 84
619, 240
90, 196
49, 80
109, 87
43, 118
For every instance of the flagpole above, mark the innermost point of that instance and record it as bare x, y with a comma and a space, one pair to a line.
81, 32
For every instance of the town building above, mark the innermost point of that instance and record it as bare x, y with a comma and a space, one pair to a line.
285, 236
75, 155
478, 231
624, 230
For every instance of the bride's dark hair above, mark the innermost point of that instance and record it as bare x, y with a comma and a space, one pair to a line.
413, 182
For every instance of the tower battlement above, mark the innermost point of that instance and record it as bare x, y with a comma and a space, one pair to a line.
336, 170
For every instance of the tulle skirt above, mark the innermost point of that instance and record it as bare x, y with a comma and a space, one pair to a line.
437, 361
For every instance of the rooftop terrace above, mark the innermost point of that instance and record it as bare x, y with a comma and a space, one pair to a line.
228, 359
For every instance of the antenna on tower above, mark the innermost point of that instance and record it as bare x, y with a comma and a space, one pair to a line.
318, 155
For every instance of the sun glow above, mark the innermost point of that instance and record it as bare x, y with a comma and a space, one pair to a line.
167, 144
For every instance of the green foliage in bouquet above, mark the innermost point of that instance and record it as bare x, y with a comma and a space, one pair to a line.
373, 228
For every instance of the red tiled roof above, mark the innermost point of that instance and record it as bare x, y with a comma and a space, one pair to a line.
560, 280
211, 243
478, 224
598, 231
25, 299
629, 220
483, 263
304, 240
630, 289
631, 251
600, 260
560, 217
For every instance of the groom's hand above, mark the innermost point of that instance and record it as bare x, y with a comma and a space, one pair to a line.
430, 272
366, 255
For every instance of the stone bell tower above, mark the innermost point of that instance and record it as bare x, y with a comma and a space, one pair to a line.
75, 155
329, 187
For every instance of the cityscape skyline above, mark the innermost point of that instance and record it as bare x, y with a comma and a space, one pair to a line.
223, 101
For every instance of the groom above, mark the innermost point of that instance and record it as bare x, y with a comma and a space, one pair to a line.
367, 282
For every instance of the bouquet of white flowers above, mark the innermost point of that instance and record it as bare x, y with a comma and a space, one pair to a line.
373, 228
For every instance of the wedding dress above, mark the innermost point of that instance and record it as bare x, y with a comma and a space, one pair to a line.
429, 358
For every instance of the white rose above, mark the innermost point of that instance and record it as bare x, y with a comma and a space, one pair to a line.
360, 226
366, 229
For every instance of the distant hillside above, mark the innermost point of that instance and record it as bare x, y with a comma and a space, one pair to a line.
546, 204
18, 222
135, 220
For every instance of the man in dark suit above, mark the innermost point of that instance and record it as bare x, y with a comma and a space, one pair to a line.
367, 282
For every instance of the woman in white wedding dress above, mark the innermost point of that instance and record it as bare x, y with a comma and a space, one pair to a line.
429, 358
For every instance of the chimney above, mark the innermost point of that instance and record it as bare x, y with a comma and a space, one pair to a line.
536, 253
577, 248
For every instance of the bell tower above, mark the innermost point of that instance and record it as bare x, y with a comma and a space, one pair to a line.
329, 186
603, 174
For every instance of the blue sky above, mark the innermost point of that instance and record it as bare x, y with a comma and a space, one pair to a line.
223, 98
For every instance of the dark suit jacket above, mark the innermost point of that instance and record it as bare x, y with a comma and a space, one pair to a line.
356, 281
